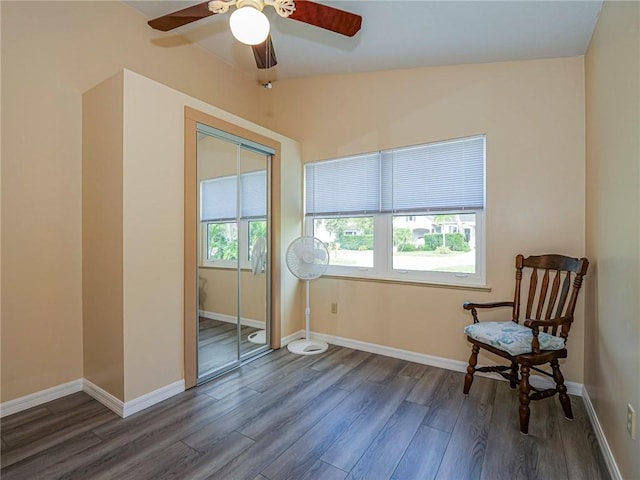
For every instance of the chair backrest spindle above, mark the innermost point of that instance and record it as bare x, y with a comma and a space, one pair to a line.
533, 284
555, 287
543, 294
563, 295
516, 296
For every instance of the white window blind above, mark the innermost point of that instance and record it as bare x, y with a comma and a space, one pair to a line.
254, 194
346, 185
438, 176
219, 197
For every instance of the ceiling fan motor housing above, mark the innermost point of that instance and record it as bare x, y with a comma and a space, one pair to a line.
284, 8
257, 4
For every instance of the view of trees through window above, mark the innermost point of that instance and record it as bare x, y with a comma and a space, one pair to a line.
222, 239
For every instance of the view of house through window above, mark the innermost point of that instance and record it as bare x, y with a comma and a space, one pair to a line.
440, 243
414, 213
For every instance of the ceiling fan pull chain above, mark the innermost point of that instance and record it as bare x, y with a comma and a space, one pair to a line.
221, 6
284, 8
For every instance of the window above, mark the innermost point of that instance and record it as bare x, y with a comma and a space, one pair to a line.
414, 213
349, 240
436, 252
227, 237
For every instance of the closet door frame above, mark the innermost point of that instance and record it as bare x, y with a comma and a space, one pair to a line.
190, 333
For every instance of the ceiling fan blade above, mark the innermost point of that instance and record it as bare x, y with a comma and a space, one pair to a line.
181, 17
326, 17
264, 54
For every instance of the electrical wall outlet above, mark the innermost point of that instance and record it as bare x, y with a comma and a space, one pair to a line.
631, 421
334, 308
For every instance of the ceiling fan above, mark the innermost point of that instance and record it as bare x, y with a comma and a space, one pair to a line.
249, 25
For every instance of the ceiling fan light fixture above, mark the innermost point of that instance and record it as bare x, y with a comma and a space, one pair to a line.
249, 25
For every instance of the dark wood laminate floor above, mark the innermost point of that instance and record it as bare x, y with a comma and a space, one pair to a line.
217, 343
345, 414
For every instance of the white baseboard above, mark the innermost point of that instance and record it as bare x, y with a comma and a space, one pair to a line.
124, 409
38, 398
249, 322
151, 398
105, 398
456, 365
602, 440
284, 341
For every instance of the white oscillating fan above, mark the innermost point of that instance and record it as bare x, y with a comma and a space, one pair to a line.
307, 258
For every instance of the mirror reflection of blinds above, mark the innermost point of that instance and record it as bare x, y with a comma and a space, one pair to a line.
441, 176
218, 197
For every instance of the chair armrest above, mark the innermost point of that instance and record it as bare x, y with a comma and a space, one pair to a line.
471, 305
474, 306
534, 325
531, 323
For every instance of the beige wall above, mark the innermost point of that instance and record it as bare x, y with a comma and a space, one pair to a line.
219, 293
102, 245
291, 289
46, 66
0, 211
533, 115
612, 338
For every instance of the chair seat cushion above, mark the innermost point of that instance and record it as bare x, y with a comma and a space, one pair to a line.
511, 337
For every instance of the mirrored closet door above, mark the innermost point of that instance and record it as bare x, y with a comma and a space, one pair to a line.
232, 254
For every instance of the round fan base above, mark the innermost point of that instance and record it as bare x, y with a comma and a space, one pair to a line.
259, 337
307, 347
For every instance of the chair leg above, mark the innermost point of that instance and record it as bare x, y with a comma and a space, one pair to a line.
513, 378
473, 361
524, 410
565, 401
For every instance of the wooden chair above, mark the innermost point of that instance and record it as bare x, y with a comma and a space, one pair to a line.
542, 337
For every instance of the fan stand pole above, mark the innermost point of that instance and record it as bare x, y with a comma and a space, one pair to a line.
307, 346
307, 315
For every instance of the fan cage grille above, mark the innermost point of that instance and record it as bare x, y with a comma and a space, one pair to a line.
307, 257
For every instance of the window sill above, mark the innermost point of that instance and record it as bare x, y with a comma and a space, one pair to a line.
223, 267
418, 283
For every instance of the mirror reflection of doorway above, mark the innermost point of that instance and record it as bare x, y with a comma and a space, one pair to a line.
232, 253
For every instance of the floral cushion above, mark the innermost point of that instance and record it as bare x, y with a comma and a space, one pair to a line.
511, 337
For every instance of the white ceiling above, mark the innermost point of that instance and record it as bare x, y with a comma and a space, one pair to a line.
401, 34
